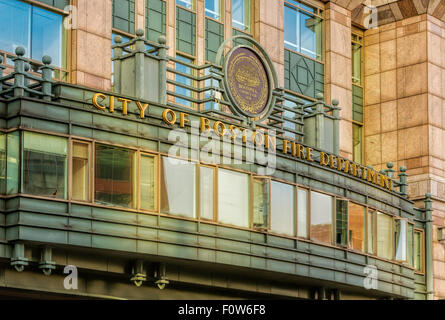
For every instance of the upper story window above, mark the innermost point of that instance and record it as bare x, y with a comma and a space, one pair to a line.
123, 15
213, 9
357, 49
241, 14
38, 30
302, 29
186, 3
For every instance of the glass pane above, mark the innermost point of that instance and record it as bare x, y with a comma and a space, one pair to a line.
384, 236
80, 184
308, 28
185, 3
184, 80
401, 239
282, 208
148, 182
356, 63
15, 25
260, 203
418, 247
206, 180
342, 222
12, 180
213, 9
321, 217
178, 185
291, 29
2, 163
115, 176
356, 227
46, 35
241, 14
302, 213
357, 143
45, 165
410, 245
370, 225
233, 198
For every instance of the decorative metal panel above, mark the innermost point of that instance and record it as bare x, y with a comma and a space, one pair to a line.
214, 36
185, 31
303, 75
154, 19
239, 42
123, 15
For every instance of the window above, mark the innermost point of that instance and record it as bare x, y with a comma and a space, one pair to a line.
123, 15
302, 195
39, 31
342, 222
12, 162
213, 9
81, 174
410, 245
185, 3
178, 187
400, 237
418, 250
357, 142
241, 14
370, 230
148, 180
115, 178
302, 29
183, 68
356, 226
384, 236
2, 163
45, 165
282, 207
357, 47
322, 208
233, 198
206, 186
261, 203
357, 96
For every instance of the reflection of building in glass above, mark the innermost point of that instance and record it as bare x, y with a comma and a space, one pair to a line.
85, 177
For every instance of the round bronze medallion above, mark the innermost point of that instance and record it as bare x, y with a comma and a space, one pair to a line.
247, 81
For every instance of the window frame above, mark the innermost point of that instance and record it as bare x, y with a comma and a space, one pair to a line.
215, 192
248, 30
422, 251
72, 141
267, 179
365, 240
221, 13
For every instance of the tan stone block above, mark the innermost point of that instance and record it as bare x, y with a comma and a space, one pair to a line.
272, 40
412, 142
340, 38
140, 22
372, 59
434, 49
388, 85
411, 20
272, 13
412, 111
344, 97
435, 80
412, 80
140, 7
372, 119
99, 24
434, 28
372, 39
373, 150
372, 89
389, 147
435, 114
340, 70
436, 142
388, 55
387, 27
389, 119
388, 35
411, 49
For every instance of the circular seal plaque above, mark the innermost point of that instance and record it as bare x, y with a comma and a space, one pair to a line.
247, 81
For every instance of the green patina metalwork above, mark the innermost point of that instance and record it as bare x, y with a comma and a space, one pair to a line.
185, 31
155, 19
123, 15
214, 36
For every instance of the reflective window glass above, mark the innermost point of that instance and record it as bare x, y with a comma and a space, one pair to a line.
206, 181
302, 195
15, 25
342, 222
322, 207
241, 14
356, 226
184, 80
401, 232
213, 9
80, 168
185, 3
45, 165
282, 207
2, 163
260, 203
148, 182
418, 251
370, 230
178, 187
233, 198
384, 236
12, 162
115, 181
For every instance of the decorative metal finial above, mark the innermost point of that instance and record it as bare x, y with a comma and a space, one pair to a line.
140, 32
118, 39
319, 96
20, 51
162, 39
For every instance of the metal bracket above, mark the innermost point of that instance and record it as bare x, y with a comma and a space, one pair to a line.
138, 275
45, 261
160, 276
18, 260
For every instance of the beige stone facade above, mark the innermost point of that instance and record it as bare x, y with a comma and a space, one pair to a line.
404, 79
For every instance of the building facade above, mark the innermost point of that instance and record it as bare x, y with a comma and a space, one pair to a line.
341, 99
